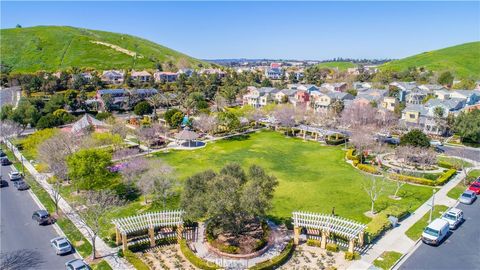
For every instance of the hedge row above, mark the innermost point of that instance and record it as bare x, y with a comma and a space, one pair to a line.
350, 155
368, 168
313, 243
442, 179
396, 211
445, 164
193, 259
275, 262
349, 256
377, 226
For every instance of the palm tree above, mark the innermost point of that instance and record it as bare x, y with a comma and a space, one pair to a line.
155, 101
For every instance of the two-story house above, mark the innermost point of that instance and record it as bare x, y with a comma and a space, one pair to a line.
274, 73
113, 76
339, 87
259, 97
141, 76
163, 76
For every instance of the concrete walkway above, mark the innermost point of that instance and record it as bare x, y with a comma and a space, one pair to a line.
107, 253
395, 239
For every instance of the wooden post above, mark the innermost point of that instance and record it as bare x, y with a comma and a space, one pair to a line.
124, 241
151, 234
179, 233
316, 136
304, 134
323, 244
118, 237
296, 235
361, 238
351, 245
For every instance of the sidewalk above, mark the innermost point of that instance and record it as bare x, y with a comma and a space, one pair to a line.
395, 239
107, 253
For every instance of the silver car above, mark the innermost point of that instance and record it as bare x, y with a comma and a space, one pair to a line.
467, 197
76, 264
14, 175
61, 245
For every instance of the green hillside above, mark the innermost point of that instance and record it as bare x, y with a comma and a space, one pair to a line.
342, 66
55, 48
463, 60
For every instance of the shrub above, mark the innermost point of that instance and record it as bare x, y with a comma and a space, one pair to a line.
275, 262
193, 259
228, 249
397, 211
334, 141
368, 168
349, 256
350, 155
377, 226
445, 164
103, 115
332, 247
142, 108
139, 246
135, 261
313, 242
356, 162
442, 179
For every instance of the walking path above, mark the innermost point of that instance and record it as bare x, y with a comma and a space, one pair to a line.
107, 253
281, 238
395, 239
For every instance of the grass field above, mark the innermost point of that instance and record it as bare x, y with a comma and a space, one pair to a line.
455, 192
342, 66
415, 232
388, 258
312, 177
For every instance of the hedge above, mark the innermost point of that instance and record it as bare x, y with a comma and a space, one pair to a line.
135, 261
368, 168
332, 247
140, 246
397, 211
313, 243
445, 164
350, 155
377, 226
334, 142
442, 179
349, 256
275, 262
193, 259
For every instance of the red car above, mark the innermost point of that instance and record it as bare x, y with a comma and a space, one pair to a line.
475, 187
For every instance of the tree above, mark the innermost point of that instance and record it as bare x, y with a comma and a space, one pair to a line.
143, 108
155, 101
446, 78
54, 152
363, 140
9, 129
157, 173
97, 205
467, 126
88, 168
176, 119
415, 138
228, 120
285, 114
48, 121
163, 188
205, 123
147, 135
169, 115
133, 169
374, 187
266, 83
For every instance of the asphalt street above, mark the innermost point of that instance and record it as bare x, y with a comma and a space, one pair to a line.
460, 251
466, 152
22, 235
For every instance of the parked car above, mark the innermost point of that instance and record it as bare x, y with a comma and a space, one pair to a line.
4, 161
435, 232
61, 245
439, 149
3, 183
41, 216
21, 185
77, 264
436, 143
468, 197
475, 187
14, 175
2, 154
454, 217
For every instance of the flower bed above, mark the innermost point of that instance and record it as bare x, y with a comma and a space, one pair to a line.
442, 179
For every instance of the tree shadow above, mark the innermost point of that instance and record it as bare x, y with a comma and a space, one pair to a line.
21, 259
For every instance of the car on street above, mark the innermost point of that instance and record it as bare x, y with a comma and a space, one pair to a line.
475, 187
436, 143
76, 264
41, 216
439, 149
3, 183
467, 197
4, 161
21, 185
14, 175
435, 232
61, 245
2, 154
454, 217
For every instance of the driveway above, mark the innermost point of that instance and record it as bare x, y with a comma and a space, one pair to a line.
18, 232
9, 95
460, 251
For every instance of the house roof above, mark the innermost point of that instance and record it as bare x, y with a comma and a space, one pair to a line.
340, 95
186, 134
86, 121
404, 85
416, 108
450, 104
289, 92
150, 91
140, 73
111, 91
109, 73
269, 90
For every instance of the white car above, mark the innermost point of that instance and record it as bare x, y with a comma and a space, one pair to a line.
435, 232
436, 143
61, 245
454, 217
76, 264
14, 175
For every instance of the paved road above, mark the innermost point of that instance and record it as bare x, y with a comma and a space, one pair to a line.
466, 152
8, 95
18, 231
461, 250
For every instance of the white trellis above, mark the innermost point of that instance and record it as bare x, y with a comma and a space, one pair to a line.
148, 221
328, 224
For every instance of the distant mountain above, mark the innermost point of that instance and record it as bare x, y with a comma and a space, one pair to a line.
53, 48
463, 60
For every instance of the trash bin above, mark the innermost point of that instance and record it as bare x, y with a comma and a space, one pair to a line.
393, 220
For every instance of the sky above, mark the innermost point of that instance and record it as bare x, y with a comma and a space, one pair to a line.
275, 30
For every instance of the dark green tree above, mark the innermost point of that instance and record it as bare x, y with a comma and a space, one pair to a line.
143, 108
415, 138
467, 126
446, 78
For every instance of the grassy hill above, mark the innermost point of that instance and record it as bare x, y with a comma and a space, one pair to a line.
55, 48
463, 60
342, 66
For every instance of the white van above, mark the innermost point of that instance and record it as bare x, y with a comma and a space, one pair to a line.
435, 232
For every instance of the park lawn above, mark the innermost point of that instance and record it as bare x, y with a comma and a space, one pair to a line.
311, 177
415, 232
455, 192
388, 259
453, 160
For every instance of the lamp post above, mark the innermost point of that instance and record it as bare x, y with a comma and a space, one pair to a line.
432, 205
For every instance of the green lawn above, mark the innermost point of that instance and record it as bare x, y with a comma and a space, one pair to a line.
387, 259
342, 66
102, 265
415, 232
312, 177
453, 160
455, 192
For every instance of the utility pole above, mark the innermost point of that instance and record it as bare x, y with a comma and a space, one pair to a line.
432, 205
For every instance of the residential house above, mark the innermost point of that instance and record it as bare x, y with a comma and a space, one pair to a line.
113, 76
208, 71
140, 94
371, 96
322, 101
405, 86
117, 97
432, 87
162, 76
471, 97
141, 76
259, 97
301, 97
86, 76
307, 87
339, 87
361, 85
274, 73
390, 103
415, 96
442, 94
285, 94
186, 71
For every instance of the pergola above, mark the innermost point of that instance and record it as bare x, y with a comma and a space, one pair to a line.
186, 135
148, 221
316, 131
328, 224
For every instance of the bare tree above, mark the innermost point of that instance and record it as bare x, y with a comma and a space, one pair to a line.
9, 129
147, 135
219, 103
123, 153
133, 169
163, 188
358, 115
363, 140
285, 115
21, 259
146, 182
97, 205
54, 151
205, 123
118, 127
255, 115
374, 187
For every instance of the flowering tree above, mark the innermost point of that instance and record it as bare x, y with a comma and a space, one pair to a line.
205, 123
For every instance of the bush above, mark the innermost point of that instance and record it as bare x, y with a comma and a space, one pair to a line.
334, 141
368, 168
168, 115
332, 247
415, 138
445, 164
349, 256
143, 108
350, 155
377, 226
277, 261
135, 261
313, 243
228, 249
396, 211
139, 246
103, 115
193, 259
442, 179
356, 162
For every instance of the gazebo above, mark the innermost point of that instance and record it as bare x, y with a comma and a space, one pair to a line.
187, 135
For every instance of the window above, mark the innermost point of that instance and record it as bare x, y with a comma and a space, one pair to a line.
411, 115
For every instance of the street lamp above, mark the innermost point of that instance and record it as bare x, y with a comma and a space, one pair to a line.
432, 205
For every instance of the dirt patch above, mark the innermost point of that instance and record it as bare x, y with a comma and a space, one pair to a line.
165, 257
307, 257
